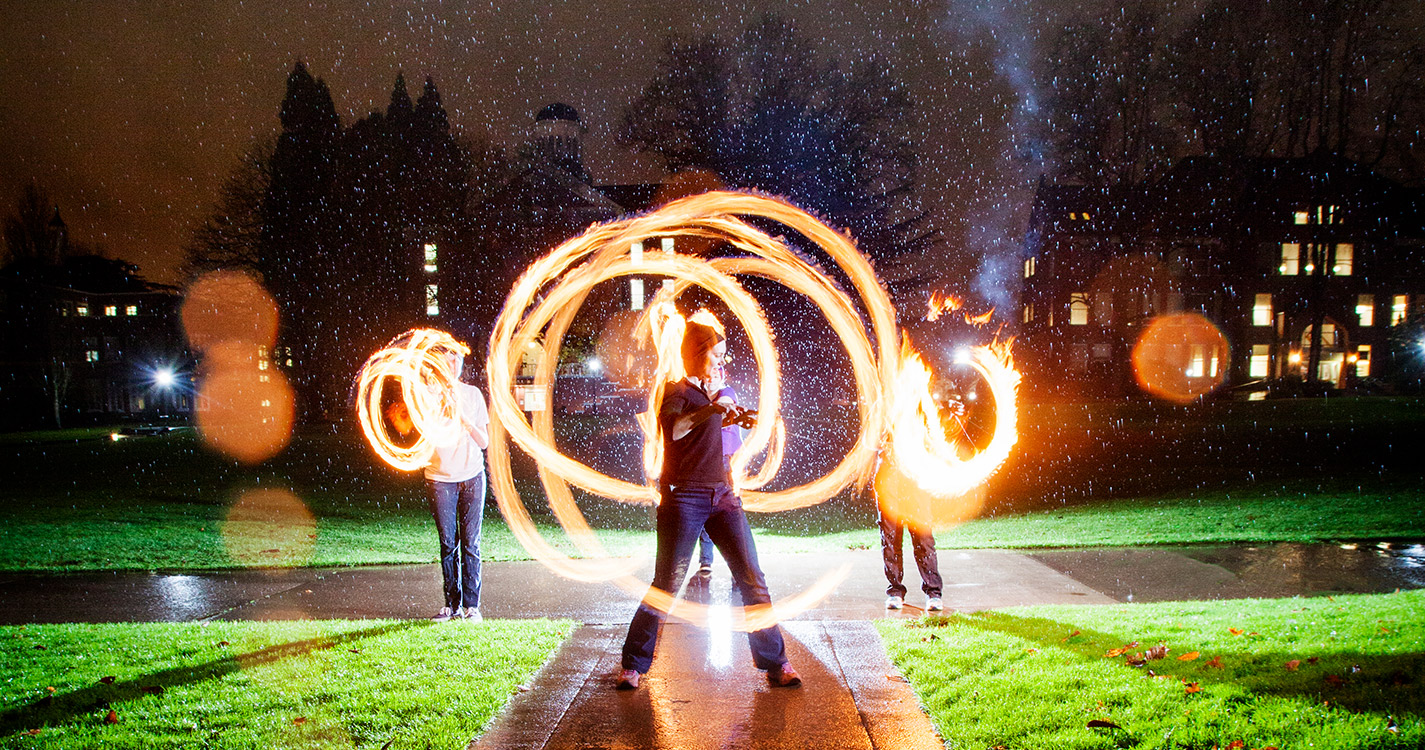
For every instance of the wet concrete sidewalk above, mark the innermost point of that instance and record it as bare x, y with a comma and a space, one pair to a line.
974, 580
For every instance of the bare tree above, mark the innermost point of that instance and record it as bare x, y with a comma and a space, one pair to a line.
230, 236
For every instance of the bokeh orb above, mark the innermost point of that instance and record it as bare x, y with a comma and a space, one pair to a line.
269, 527
1180, 357
228, 306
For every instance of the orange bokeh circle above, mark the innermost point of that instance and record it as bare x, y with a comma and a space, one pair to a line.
1180, 357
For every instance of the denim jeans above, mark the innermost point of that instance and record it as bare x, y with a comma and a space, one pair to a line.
683, 513
457, 507
922, 543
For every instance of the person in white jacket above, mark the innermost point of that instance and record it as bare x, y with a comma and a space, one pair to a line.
455, 484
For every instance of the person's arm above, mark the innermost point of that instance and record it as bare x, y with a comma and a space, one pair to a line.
685, 423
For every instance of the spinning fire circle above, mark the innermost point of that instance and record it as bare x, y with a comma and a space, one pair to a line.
892, 401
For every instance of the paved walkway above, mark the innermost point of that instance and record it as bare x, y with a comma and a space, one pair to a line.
702, 691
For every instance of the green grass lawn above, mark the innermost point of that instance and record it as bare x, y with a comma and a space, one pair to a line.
334, 683
1083, 474
1343, 672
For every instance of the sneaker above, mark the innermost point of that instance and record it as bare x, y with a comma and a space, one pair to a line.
471, 614
444, 614
894, 602
783, 676
933, 604
628, 679
705, 570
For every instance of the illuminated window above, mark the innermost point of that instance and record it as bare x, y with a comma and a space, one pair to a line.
1028, 312
1363, 361
91, 355
635, 254
1399, 309
667, 244
1303, 217
1291, 259
1029, 267
1261, 362
635, 294
1073, 216
267, 403
1262, 310
131, 310
1366, 309
1345, 255
667, 284
81, 310
263, 378
430, 257
1197, 365
262, 364
432, 300
1086, 216
111, 310
1078, 309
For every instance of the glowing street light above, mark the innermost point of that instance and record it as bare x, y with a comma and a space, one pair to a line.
163, 377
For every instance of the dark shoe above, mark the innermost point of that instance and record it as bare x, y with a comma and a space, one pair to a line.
628, 679
783, 676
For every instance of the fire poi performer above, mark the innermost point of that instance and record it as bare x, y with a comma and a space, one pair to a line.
455, 485
922, 543
696, 493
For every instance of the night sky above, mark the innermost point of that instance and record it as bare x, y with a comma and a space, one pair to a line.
130, 114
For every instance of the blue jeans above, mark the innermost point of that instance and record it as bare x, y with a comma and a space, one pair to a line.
457, 507
683, 514
922, 544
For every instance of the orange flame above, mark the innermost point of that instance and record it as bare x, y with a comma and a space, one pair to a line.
923, 454
942, 303
416, 360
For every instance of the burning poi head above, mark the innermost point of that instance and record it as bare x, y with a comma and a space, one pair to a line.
425, 363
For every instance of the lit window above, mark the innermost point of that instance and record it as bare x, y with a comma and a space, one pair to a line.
1291, 259
111, 310
1261, 362
430, 257
1345, 255
263, 378
1028, 312
667, 244
1399, 309
1363, 361
1086, 216
1078, 309
1197, 365
1073, 215
266, 403
635, 254
1029, 266
131, 310
635, 294
81, 310
1366, 309
91, 355
1262, 310
262, 364
667, 284
432, 300
1303, 217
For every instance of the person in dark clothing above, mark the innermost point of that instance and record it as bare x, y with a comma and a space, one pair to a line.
696, 493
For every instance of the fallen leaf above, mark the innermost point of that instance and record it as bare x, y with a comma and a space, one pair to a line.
1313, 660
1216, 662
1292, 665
112, 718
1071, 635
222, 643
1031, 650
34, 732
152, 690
300, 720
1137, 660
1236, 631
51, 688
1335, 680
41, 647
1192, 687
1189, 656
354, 650
1391, 726
1157, 652
108, 679
1236, 745
1114, 653
1103, 724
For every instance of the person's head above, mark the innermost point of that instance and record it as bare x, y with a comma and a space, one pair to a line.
703, 348
455, 359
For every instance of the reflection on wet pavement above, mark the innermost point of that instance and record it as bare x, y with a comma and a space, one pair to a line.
1243, 571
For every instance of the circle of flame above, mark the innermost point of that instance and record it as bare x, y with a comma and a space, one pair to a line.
416, 360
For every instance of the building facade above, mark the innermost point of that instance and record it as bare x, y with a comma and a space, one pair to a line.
1311, 269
